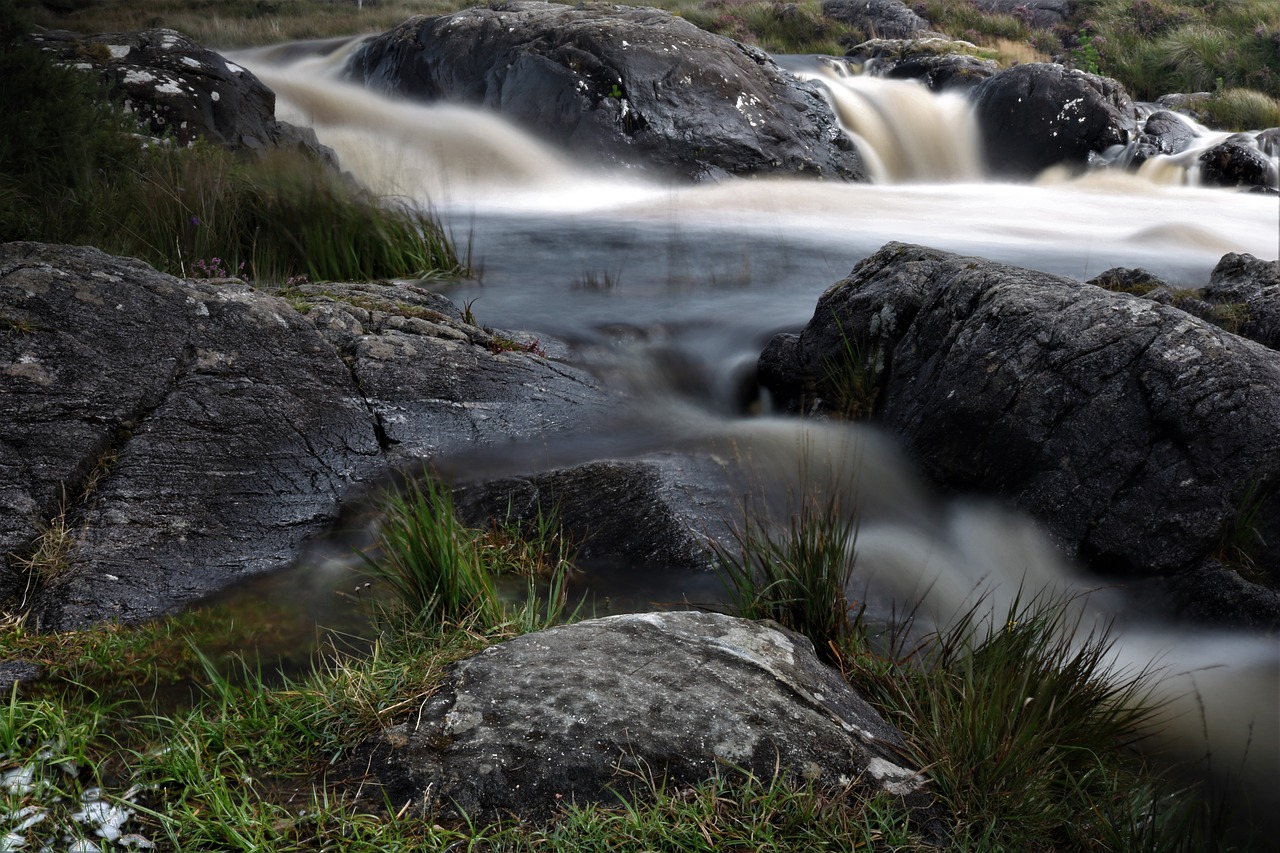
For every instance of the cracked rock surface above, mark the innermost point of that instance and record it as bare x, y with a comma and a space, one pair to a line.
186, 433
569, 714
631, 86
1137, 434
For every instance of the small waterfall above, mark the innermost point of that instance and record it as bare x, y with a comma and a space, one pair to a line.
903, 131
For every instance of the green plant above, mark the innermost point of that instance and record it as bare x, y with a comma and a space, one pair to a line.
1084, 55
1242, 538
852, 379
797, 576
1238, 109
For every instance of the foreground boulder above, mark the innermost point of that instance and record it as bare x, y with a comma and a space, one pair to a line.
1041, 114
622, 85
1143, 438
180, 90
592, 711
182, 435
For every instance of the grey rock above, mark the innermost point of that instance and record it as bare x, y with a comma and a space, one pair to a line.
1164, 132
886, 19
16, 673
587, 712
1039, 115
183, 91
630, 86
193, 433
1237, 162
940, 64
1134, 432
1254, 286
1039, 14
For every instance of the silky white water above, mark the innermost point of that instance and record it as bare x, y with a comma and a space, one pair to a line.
708, 273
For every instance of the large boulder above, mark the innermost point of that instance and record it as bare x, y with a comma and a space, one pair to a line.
587, 712
1143, 438
186, 434
180, 90
1042, 114
1040, 14
1237, 162
1164, 132
618, 85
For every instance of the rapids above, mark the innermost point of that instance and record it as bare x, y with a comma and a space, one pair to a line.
626, 271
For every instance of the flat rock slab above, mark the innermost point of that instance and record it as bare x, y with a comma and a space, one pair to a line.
585, 712
189, 433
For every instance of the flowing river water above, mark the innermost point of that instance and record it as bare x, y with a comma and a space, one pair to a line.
704, 275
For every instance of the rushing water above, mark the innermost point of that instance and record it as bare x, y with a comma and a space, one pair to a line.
706, 274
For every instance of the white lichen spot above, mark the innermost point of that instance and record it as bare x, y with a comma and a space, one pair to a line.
82, 66
214, 96
234, 69
894, 779
137, 76
169, 87
118, 51
1181, 353
191, 63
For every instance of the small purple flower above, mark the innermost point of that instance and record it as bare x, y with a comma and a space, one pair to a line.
195, 220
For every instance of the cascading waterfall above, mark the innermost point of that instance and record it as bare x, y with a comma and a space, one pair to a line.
708, 273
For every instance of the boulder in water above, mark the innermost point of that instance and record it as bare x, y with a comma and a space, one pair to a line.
1164, 132
589, 712
1237, 162
1143, 438
1042, 114
620, 85
938, 63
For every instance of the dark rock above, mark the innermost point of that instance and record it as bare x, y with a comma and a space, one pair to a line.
622, 85
1237, 162
938, 63
1038, 14
1252, 287
1163, 133
17, 672
181, 90
1269, 142
888, 19
1136, 281
1040, 115
1135, 433
192, 433
1215, 594
588, 712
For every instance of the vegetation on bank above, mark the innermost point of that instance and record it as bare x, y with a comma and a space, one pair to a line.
161, 733
1153, 47
75, 170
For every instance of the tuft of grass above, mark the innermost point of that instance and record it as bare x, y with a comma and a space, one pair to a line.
797, 576
1238, 109
851, 379
441, 572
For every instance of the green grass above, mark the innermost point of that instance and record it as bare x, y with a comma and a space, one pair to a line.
72, 171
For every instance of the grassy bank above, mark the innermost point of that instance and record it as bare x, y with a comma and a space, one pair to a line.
74, 170
1154, 47
191, 747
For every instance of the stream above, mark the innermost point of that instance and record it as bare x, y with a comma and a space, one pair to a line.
704, 275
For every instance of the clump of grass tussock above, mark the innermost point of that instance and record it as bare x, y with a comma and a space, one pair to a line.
441, 571
1238, 109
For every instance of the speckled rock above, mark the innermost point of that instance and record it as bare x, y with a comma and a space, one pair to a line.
939, 63
181, 90
586, 712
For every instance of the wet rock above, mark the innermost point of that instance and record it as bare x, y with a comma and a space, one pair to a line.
619, 85
1163, 133
1135, 433
1040, 115
190, 433
1237, 162
886, 19
1252, 287
183, 91
938, 63
587, 712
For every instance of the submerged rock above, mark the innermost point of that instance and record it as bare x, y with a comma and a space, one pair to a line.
619, 85
181, 90
1040, 115
591, 712
185, 434
1141, 437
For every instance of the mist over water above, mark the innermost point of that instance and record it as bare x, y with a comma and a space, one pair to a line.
638, 276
